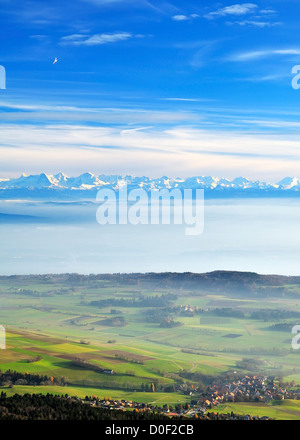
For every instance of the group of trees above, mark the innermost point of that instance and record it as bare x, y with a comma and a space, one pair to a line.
49, 407
37, 293
273, 315
259, 314
88, 365
227, 312
129, 359
251, 364
140, 301
169, 323
281, 327
116, 321
10, 378
217, 281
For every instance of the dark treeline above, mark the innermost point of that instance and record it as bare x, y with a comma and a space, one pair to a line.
259, 314
14, 378
250, 364
49, 407
170, 323
117, 321
82, 363
227, 312
158, 314
141, 301
217, 281
273, 315
281, 327
35, 293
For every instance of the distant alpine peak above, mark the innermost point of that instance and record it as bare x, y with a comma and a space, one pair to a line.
90, 181
289, 182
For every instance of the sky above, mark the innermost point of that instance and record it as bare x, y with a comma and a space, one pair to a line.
176, 88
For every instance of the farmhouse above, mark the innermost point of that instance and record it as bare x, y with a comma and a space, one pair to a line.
107, 371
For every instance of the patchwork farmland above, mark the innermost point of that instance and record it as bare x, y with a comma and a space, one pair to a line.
143, 339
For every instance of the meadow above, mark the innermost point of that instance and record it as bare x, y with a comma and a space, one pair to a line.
55, 328
279, 410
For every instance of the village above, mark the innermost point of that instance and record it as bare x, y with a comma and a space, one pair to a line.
246, 389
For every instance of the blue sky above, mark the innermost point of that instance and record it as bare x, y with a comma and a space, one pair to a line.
150, 88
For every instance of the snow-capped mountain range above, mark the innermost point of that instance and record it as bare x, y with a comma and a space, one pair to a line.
89, 182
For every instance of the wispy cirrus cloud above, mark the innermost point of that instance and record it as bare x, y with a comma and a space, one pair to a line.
254, 23
255, 55
183, 149
274, 77
106, 2
39, 37
96, 39
186, 99
268, 11
161, 7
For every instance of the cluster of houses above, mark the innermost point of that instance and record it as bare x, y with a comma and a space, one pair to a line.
187, 310
187, 411
246, 389
121, 404
230, 416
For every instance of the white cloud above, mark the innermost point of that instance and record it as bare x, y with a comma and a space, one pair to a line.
254, 23
238, 9
184, 17
177, 151
273, 123
161, 7
74, 37
103, 115
267, 11
185, 99
180, 17
38, 37
96, 39
279, 76
287, 52
255, 55
104, 2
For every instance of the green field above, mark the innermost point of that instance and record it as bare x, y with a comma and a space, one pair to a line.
159, 399
279, 410
54, 330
